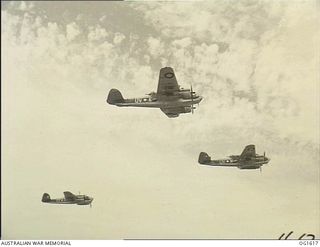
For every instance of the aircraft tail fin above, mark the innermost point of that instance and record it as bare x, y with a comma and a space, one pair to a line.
46, 197
115, 97
204, 158
248, 152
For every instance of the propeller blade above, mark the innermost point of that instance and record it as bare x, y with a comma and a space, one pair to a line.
264, 154
260, 169
191, 94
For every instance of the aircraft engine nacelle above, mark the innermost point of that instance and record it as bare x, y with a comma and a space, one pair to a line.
185, 94
83, 203
187, 109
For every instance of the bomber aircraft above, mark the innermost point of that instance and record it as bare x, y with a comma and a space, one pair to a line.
247, 160
170, 97
69, 198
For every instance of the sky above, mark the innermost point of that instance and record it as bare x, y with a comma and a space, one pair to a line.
256, 63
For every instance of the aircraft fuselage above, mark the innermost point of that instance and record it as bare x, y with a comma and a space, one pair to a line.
252, 163
160, 102
79, 200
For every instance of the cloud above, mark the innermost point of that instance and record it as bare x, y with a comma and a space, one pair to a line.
72, 31
156, 47
253, 65
97, 33
26, 6
118, 38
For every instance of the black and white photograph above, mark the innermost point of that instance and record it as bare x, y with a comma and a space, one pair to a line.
159, 120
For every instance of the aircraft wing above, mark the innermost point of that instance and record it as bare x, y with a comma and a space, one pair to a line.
172, 112
69, 196
248, 152
167, 84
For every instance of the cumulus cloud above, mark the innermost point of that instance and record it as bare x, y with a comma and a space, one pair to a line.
25, 6
72, 31
253, 65
97, 33
156, 47
118, 38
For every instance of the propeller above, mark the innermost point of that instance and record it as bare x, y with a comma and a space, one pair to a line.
260, 169
191, 94
264, 154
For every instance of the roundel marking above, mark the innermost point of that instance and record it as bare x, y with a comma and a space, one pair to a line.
168, 75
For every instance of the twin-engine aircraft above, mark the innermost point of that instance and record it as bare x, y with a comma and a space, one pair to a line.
247, 160
170, 98
69, 198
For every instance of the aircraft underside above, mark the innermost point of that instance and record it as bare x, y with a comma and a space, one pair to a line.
234, 164
158, 103
61, 201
